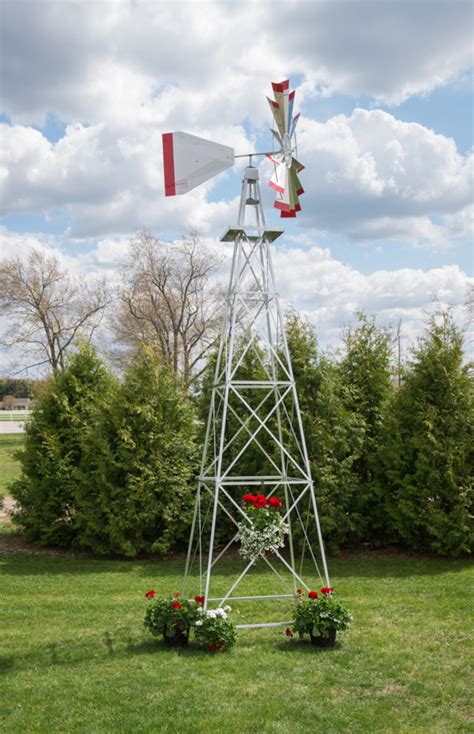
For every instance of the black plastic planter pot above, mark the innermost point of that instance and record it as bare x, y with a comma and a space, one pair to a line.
179, 639
328, 641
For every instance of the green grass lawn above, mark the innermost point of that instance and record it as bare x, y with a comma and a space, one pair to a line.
75, 656
9, 468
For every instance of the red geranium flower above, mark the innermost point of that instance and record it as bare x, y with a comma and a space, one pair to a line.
275, 502
299, 591
313, 595
150, 594
176, 595
260, 501
288, 632
249, 498
176, 604
327, 589
199, 599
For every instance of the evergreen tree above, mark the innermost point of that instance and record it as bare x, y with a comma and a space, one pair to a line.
66, 411
137, 477
333, 433
365, 370
429, 457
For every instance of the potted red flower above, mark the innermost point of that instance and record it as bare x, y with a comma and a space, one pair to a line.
321, 616
171, 617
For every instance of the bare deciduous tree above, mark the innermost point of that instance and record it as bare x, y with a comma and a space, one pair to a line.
47, 308
168, 300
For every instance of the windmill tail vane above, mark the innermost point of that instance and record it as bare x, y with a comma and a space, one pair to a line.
189, 160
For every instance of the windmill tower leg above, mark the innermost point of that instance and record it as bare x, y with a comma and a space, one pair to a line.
254, 422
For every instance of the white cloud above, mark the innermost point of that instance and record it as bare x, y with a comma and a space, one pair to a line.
372, 176
107, 183
387, 50
126, 61
368, 176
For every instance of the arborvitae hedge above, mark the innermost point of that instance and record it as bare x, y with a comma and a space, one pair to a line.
136, 482
428, 456
366, 373
112, 465
334, 434
65, 413
108, 466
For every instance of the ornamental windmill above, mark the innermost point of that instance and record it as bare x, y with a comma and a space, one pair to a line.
269, 513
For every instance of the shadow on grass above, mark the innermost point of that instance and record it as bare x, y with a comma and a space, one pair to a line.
305, 647
371, 565
116, 645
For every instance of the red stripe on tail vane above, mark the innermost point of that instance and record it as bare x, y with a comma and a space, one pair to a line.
168, 164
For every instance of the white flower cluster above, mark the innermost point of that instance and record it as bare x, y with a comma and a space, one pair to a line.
254, 541
221, 612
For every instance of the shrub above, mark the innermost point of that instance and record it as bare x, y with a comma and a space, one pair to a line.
429, 440
136, 484
63, 416
334, 434
366, 372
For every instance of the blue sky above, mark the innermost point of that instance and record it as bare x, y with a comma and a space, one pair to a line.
385, 91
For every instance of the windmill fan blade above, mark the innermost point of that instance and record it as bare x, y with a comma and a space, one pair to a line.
291, 101
283, 200
294, 124
278, 180
297, 165
285, 181
277, 136
277, 115
189, 161
295, 169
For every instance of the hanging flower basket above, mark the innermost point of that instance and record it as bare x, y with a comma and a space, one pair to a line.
266, 531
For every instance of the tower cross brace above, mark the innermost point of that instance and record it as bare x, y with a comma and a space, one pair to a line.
253, 422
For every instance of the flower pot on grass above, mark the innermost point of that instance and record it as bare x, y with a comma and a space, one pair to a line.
178, 639
172, 617
214, 630
320, 641
320, 616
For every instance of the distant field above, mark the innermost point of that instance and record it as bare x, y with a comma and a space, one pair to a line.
9, 467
